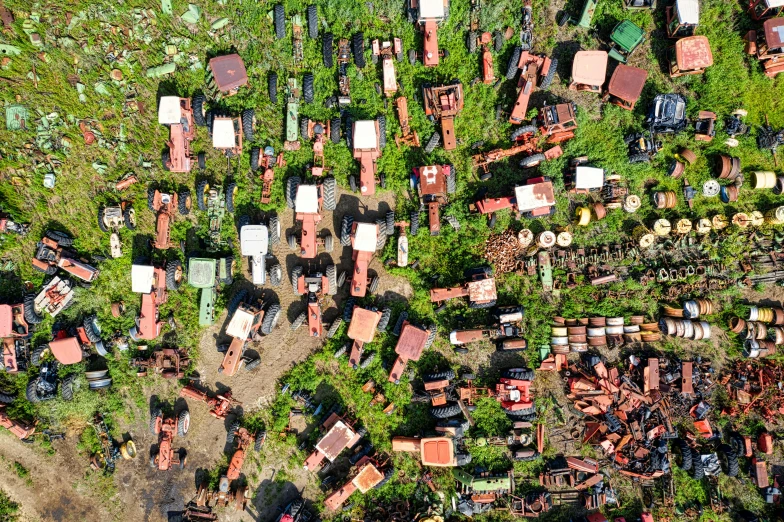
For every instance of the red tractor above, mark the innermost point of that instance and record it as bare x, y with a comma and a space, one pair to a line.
407, 135
153, 284
165, 206
412, 342
72, 347
165, 429
443, 103
363, 324
219, 406
428, 15
177, 114
51, 253
14, 332
367, 139
484, 40
223, 497
315, 286
169, 363
556, 123
535, 68
533, 199
365, 239
20, 429
389, 51
514, 393
267, 161
245, 324
434, 184
480, 290
339, 434
244, 439
319, 133
308, 201
369, 473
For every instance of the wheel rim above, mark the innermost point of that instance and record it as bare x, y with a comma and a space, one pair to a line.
132, 217
234, 192
205, 193
178, 274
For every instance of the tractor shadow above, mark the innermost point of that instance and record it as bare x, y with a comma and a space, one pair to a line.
272, 497
500, 361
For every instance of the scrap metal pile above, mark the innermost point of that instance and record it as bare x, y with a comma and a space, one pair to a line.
756, 387
762, 331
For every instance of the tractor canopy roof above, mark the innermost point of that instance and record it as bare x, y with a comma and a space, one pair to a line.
366, 237
229, 72
693, 53
627, 82
307, 200
201, 272
431, 9
241, 323
223, 133
367, 478
365, 135
169, 110
6, 321
588, 177
774, 3
432, 179
437, 451
142, 278
482, 290
688, 11
337, 438
536, 195
627, 35
589, 67
254, 240
67, 351
774, 32
363, 324
411, 342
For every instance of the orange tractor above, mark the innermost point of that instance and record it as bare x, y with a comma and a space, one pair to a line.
319, 133
51, 253
407, 135
165, 428
480, 290
153, 283
245, 324
768, 47
244, 439
308, 201
177, 114
369, 473
389, 51
443, 103
434, 184
224, 497
535, 68
267, 161
219, 406
169, 363
363, 324
14, 332
367, 139
365, 239
428, 15
339, 434
165, 206
20, 429
315, 286
514, 393
412, 342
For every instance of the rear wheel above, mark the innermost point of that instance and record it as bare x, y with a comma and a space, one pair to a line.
255, 152
279, 18
31, 392
390, 222
382, 131
334, 130
165, 159
520, 374
202, 191
373, 286
433, 142
248, 123
299, 320
101, 224
231, 194
414, 223
682, 454
448, 410
532, 161
345, 230
367, 361
307, 88
274, 230
252, 364
327, 50
197, 104
312, 22
526, 131
173, 275
91, 329
451, 180
511, 68
471, 42
381, 239
184, 202
129, 217
358, 48
698, 470
386, 314
329, 243
448, 375
183, 423
550, 74
431, 336
271, 317
292, 185
348, 309
232, 430
333, 329
272, 87
729, 460
498, 41
291, 239
154, 420
275, 275
332, 279
329, 188
639, 158
296, 272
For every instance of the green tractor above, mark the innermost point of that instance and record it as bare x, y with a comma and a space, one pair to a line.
626, 37
293, 96
586, 15
216, 203
207, 275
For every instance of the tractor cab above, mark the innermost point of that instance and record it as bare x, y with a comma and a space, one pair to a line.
204, 274
589, 71
366, 237
768, 46
558, 122
67, 350
626, 37
626, 86
226, 74
536, 198
691, 55
254, 243
307, 200
365, 136
227, 135
682, 18
12, 321
763, 9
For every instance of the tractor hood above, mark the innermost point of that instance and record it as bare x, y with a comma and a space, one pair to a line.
254, 240
169, 110
201, 272
142, 278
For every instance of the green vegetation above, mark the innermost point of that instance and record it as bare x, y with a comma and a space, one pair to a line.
8, 508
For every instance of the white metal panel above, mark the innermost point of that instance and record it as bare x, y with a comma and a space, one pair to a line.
223, 133
365, 134
240, 324
688, 11
142, 278
366, 237
307, 199
169, 110
254, 240
431, 9
775, 3
589, 178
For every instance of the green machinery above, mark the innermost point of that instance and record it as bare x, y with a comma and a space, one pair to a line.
207, 275
586, 15
293, 94
626, 37
485, 483
216, 203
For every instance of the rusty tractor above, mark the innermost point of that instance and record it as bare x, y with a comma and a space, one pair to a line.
443, 103
368, 473
367, 139
319, 133
52, 253
768, 46
506, 330
169, 363
428, 15
315, 286
44, 385
555, 123
434, 184
533, 199
682, 18
14, 332
362, 328
339, 434
220, 405
110, 452
480, 290
407, 136
267, 163
514, 393
534, 69
444, 450
54, 297
165, 206
690, 55
250, 318
483, 160
223, 497
21, 429
244, 440
413, 340
388, 51
365, 239
763, 9
225, 75
343, 97
7, 225
74, 345
228, 133
177, 114
308, 201
165, 428
153, 283
112, 219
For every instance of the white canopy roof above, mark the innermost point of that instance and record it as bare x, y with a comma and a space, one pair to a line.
366, 237
431, 9
365, 134
254, 240
775, 3
169, 110
240, 324
688, 11
588, 178
142, 278
223, 133
307, 199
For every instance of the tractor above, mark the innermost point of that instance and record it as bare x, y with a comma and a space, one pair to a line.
207, 275
407, 136
220, 406
367, 139
434, 184
110, 451
534, 69
51, 253
368, 473
362, 327
244, 439
343, 98
318, 132
153, 283
112, 219
254, 244
73, 346
764, 9
682, 18
480, 290
589, 71
177, 114
506, 326
413, 340
308, 201
439, 451
165, 206
44, 386
486, 60
19, 428
428, 15
535, 198
443, 103
389, 51
165, 428
225, 75
667, 114
690, 55
54, 297
267, 161
642, 147
769, 46
339, 434
223, 497
14, 332
365, 239
514, 393
625, 87
9, 225
248, 319
626, 37
169, 363
315, 286
228, 133
293, 98
216, 203
556, 123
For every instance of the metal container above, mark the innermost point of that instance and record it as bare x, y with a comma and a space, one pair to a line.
615, 321
596, 331
764, 179
614, 330
635, 328
599, 340
559, 331
597, 321
559, 341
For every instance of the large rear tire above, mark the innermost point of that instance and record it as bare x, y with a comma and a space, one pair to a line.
279, 18
307, 88
327, 50
312, 22
358, 48
511, 68
330, 187
272, 87
450, 409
